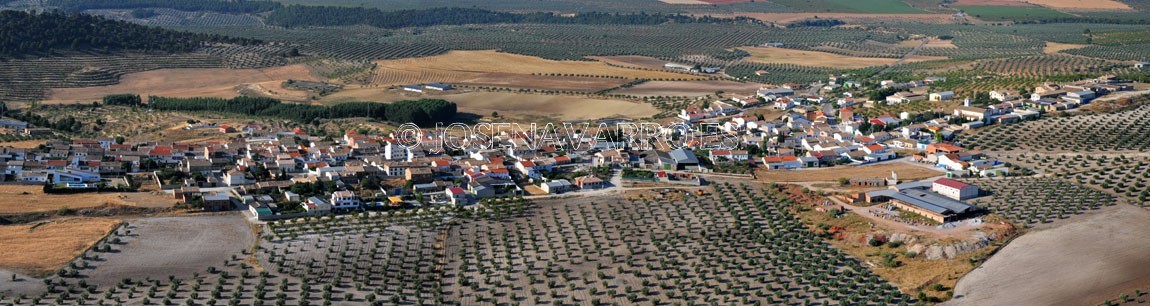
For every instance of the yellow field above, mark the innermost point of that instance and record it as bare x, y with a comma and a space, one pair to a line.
1053, 47
26, 144
1082, 5
460, 66
16, 199
44, 247
198, 82
772, 55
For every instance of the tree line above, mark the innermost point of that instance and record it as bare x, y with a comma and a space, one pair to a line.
23, 33
300, 16
219, 6
421, 112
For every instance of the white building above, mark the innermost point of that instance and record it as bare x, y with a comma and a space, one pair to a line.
954, 189
344, 200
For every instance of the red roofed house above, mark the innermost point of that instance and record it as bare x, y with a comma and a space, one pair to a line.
458, 196
954, 189
781, 162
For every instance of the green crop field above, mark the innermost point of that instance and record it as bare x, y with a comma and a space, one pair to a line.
1011, 13
851, 6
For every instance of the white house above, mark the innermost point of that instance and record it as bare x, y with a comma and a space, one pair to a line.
954, 189
458, 196
942, 96
345, 200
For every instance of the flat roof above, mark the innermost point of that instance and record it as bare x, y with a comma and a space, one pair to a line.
928, 200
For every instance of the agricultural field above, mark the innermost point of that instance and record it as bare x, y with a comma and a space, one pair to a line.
611, 250
1046, 65
1011, 12
513, 104
46, 246
772, 55
1120, 175
1031, 201
848, 6
1125, 131
207, 82
1083, 5
689, 89
1091, 258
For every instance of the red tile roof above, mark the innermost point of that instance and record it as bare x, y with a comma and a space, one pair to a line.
951, 183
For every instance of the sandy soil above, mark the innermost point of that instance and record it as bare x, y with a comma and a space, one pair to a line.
213, 82
458, 66
1053, 47
178, 246
1082, 261
905, 170
16, 199
815, 58
45, 247
783, 18
689, 88
634, 61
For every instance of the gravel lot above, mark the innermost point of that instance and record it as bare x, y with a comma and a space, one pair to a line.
179, 246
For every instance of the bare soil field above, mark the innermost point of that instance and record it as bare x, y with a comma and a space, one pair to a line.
849, 17
633, 61
933, 43
219, 83
991, 3
559, 107
1053, 47
542, 82
772, 55
458, 66
689, 88
16, 199
1083, 261
45, 247
905, 170
178, 246
683, 2
1082, 5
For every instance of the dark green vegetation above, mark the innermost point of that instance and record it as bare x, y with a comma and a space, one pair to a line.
297, 15
851, 6
1005, 13
421, 112
220, 6
44, 34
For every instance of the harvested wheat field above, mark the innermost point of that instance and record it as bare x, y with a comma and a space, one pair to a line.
542, 82
1082, 5
24, 144
632, 61
17, 199
1053, 47
689, 88
771, 55
558, 107
199, 82
456, 66
45, 247
1081, 261
905, 170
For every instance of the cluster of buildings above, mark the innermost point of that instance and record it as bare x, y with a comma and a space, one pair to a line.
941, 200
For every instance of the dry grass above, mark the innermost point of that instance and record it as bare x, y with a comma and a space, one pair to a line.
45, 247
558, 107
17, 199
905, 172
1082, 5
1053, 47
771, 55
206, 82
933, 43
632, 61
460, 66
26, 144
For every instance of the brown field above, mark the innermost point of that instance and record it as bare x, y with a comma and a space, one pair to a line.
689, 88
457, 66
1082, 5
541, 82
1053, 47
812, 58
905, 171
26, 144
558, 107
1081, 261
634, 61
683, 1
16, 199
45, 247
849, 17
991, 3
212, 82
933, 43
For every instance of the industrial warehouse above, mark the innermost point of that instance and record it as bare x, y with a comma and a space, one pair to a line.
940, 200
